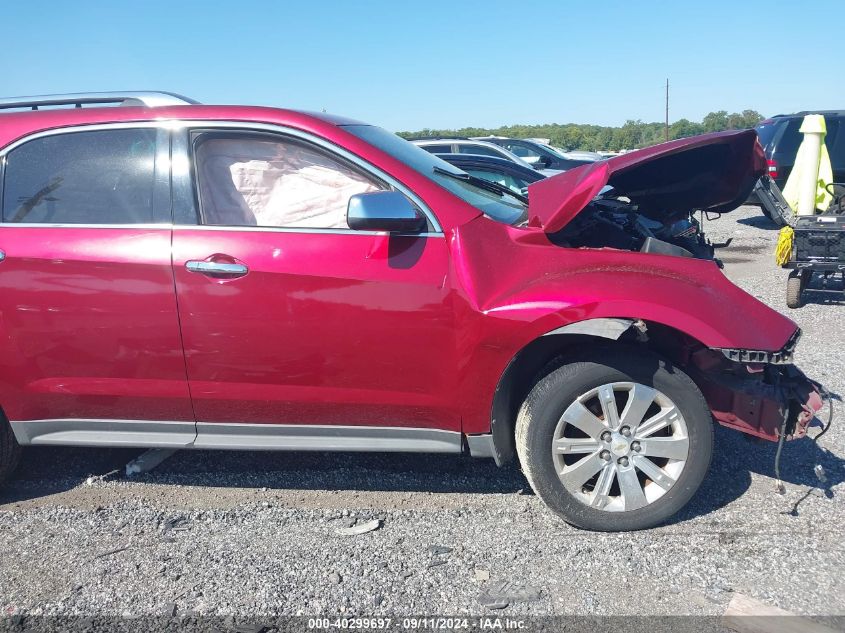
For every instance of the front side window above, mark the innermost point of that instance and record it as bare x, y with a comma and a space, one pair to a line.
263, 180
523, 151
96, 177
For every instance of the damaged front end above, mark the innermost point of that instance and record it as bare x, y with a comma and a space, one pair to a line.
645, 201
759, 393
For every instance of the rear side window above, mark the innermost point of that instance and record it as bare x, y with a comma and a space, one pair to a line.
97, 177
269, 181
522, 151
478, 150
437, 149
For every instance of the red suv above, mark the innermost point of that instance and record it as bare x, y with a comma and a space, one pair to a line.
226, 277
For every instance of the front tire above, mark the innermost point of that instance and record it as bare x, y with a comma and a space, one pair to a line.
615, 440
796, 283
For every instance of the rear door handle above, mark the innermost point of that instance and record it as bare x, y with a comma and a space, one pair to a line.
216, 269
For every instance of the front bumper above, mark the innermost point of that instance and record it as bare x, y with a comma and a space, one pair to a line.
764, 399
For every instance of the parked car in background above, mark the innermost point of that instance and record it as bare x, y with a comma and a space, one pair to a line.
249, 278
578, 154
780, 138
538, 154
504, 172
468, 146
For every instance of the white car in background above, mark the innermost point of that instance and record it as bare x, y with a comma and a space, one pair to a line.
477, 148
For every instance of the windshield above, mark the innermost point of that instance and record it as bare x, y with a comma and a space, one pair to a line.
499, 206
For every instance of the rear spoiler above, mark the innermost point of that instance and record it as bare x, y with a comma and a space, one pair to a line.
769, 195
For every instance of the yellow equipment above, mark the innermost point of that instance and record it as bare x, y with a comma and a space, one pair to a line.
806, 188
783, 251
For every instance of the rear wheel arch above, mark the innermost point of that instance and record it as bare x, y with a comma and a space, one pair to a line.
542, 354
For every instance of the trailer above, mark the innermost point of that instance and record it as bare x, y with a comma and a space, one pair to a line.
817, 257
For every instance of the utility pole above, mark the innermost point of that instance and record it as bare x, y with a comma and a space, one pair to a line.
667, 109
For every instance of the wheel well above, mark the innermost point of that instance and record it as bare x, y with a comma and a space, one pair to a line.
534, 360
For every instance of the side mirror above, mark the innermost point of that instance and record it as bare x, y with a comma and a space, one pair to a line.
541, 162
384, 211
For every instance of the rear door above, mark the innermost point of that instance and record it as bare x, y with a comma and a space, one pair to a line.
90, 350
297, 330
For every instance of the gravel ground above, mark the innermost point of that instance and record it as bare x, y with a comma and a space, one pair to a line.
247, 533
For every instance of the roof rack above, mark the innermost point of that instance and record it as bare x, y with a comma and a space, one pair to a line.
77, 100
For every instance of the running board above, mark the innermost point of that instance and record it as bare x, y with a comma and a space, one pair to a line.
225, 436
290, 437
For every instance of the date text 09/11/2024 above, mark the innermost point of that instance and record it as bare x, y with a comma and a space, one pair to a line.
412, 623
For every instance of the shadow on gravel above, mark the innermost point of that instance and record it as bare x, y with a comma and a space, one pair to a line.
49, 470
736, 456
819, 294
759, 222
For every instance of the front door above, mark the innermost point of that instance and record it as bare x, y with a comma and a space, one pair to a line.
90, 350
291, 318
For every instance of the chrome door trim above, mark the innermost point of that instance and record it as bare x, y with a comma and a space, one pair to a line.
234, 436
93, 127
215, 268
161, 153
189, 124
250, 126
273, 229
39, 225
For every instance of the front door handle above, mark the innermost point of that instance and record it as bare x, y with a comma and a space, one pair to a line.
216, 269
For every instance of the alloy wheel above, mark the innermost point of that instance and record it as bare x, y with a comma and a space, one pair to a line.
620, 446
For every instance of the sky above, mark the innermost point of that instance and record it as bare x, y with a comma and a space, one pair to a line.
409, 65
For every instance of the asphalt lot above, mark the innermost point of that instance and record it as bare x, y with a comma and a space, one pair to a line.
251, 533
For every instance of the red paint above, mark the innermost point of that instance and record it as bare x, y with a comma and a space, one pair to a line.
89, 327
517, 286
324, 328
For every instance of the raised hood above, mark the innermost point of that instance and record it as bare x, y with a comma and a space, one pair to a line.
713, 172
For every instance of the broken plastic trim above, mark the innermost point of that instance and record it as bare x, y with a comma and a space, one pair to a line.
611, 328
781, 357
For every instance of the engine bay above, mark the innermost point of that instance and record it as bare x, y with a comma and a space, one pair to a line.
611, 221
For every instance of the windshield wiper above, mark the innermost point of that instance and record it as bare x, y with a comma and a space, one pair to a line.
482, 184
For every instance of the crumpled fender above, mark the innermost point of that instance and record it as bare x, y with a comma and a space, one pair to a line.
517, 286
519, 276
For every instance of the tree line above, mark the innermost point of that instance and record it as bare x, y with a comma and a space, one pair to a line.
631, 135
